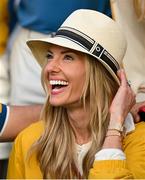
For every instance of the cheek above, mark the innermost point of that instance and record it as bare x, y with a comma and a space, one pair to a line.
79, 82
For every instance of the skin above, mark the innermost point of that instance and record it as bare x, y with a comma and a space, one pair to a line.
119, 109
61, 65
19, 118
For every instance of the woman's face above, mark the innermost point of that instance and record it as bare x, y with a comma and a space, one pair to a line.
65, 73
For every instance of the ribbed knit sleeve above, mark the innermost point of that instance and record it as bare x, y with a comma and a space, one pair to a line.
131, 168
110, 169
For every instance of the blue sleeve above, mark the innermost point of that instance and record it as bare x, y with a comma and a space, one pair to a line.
104, 7
3, 115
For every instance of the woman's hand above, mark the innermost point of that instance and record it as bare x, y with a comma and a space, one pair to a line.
120, 106
123, 100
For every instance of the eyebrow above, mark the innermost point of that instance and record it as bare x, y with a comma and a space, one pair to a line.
69, 51
66, 51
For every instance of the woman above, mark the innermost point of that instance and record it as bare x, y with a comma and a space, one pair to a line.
88, 99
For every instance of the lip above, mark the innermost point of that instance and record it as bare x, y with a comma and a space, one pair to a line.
58, 91
56, 78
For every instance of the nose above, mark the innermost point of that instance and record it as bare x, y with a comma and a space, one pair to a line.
53, 66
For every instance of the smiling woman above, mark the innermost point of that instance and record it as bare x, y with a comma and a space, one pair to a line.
81, 134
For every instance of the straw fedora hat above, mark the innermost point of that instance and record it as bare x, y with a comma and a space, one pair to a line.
90, 32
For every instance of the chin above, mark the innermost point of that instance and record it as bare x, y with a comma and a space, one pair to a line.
57, 103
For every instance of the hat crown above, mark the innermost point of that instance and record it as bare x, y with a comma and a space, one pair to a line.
101, 29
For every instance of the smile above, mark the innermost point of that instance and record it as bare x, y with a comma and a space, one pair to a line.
57, 86
58, 82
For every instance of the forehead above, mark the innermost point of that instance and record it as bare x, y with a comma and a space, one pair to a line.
52, 47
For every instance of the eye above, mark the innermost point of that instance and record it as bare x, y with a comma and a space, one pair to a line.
49, 56
69, 57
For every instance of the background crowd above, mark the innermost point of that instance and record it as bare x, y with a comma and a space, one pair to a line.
20, 75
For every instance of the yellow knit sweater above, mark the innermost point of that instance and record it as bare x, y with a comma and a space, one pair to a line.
132, 167
3, 25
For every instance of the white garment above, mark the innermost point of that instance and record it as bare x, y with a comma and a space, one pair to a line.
5, 147
81, 152
134, 61
104, 154
4, 79
26, 85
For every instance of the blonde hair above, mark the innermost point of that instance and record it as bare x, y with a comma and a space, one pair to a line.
139, 6
56, 151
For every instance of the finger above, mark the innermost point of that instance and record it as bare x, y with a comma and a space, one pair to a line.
122, 76
137, 118
119, 73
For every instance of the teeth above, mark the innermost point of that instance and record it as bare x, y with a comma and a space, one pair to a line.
58, 82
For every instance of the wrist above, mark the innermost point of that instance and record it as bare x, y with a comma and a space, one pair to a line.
114, 132
118, 126
113, 139
116, 118
113, 142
